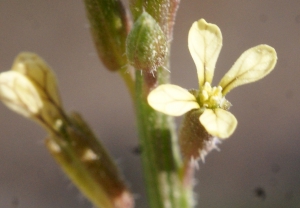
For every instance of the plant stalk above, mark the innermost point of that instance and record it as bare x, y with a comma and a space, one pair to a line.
160, 155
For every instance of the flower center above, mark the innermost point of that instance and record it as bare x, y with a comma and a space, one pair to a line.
212, 97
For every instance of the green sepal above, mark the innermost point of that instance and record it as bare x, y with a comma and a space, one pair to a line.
193, 137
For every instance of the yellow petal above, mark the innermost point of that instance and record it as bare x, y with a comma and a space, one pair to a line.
20, 94
205, 43
252, 65
172, 100
218, 122
36, 69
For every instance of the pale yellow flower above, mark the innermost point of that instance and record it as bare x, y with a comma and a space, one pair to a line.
205, 43
30, 89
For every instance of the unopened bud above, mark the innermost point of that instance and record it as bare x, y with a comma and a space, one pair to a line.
109, 26
146, 44
163, 11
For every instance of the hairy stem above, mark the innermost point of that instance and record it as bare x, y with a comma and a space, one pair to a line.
160, 156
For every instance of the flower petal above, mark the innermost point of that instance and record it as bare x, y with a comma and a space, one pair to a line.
205, 43
252, 65
20, 94
37, 70
172, 100
218, 122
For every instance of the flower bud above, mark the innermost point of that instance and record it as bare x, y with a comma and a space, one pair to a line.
109, 26
163, 11
30, 89
146, 45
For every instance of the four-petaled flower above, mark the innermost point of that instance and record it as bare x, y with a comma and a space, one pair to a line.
205, 43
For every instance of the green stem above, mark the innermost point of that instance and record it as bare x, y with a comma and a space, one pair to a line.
129, 82
160, 156
163, 169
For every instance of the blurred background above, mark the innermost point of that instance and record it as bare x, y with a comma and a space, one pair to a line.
259, 166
